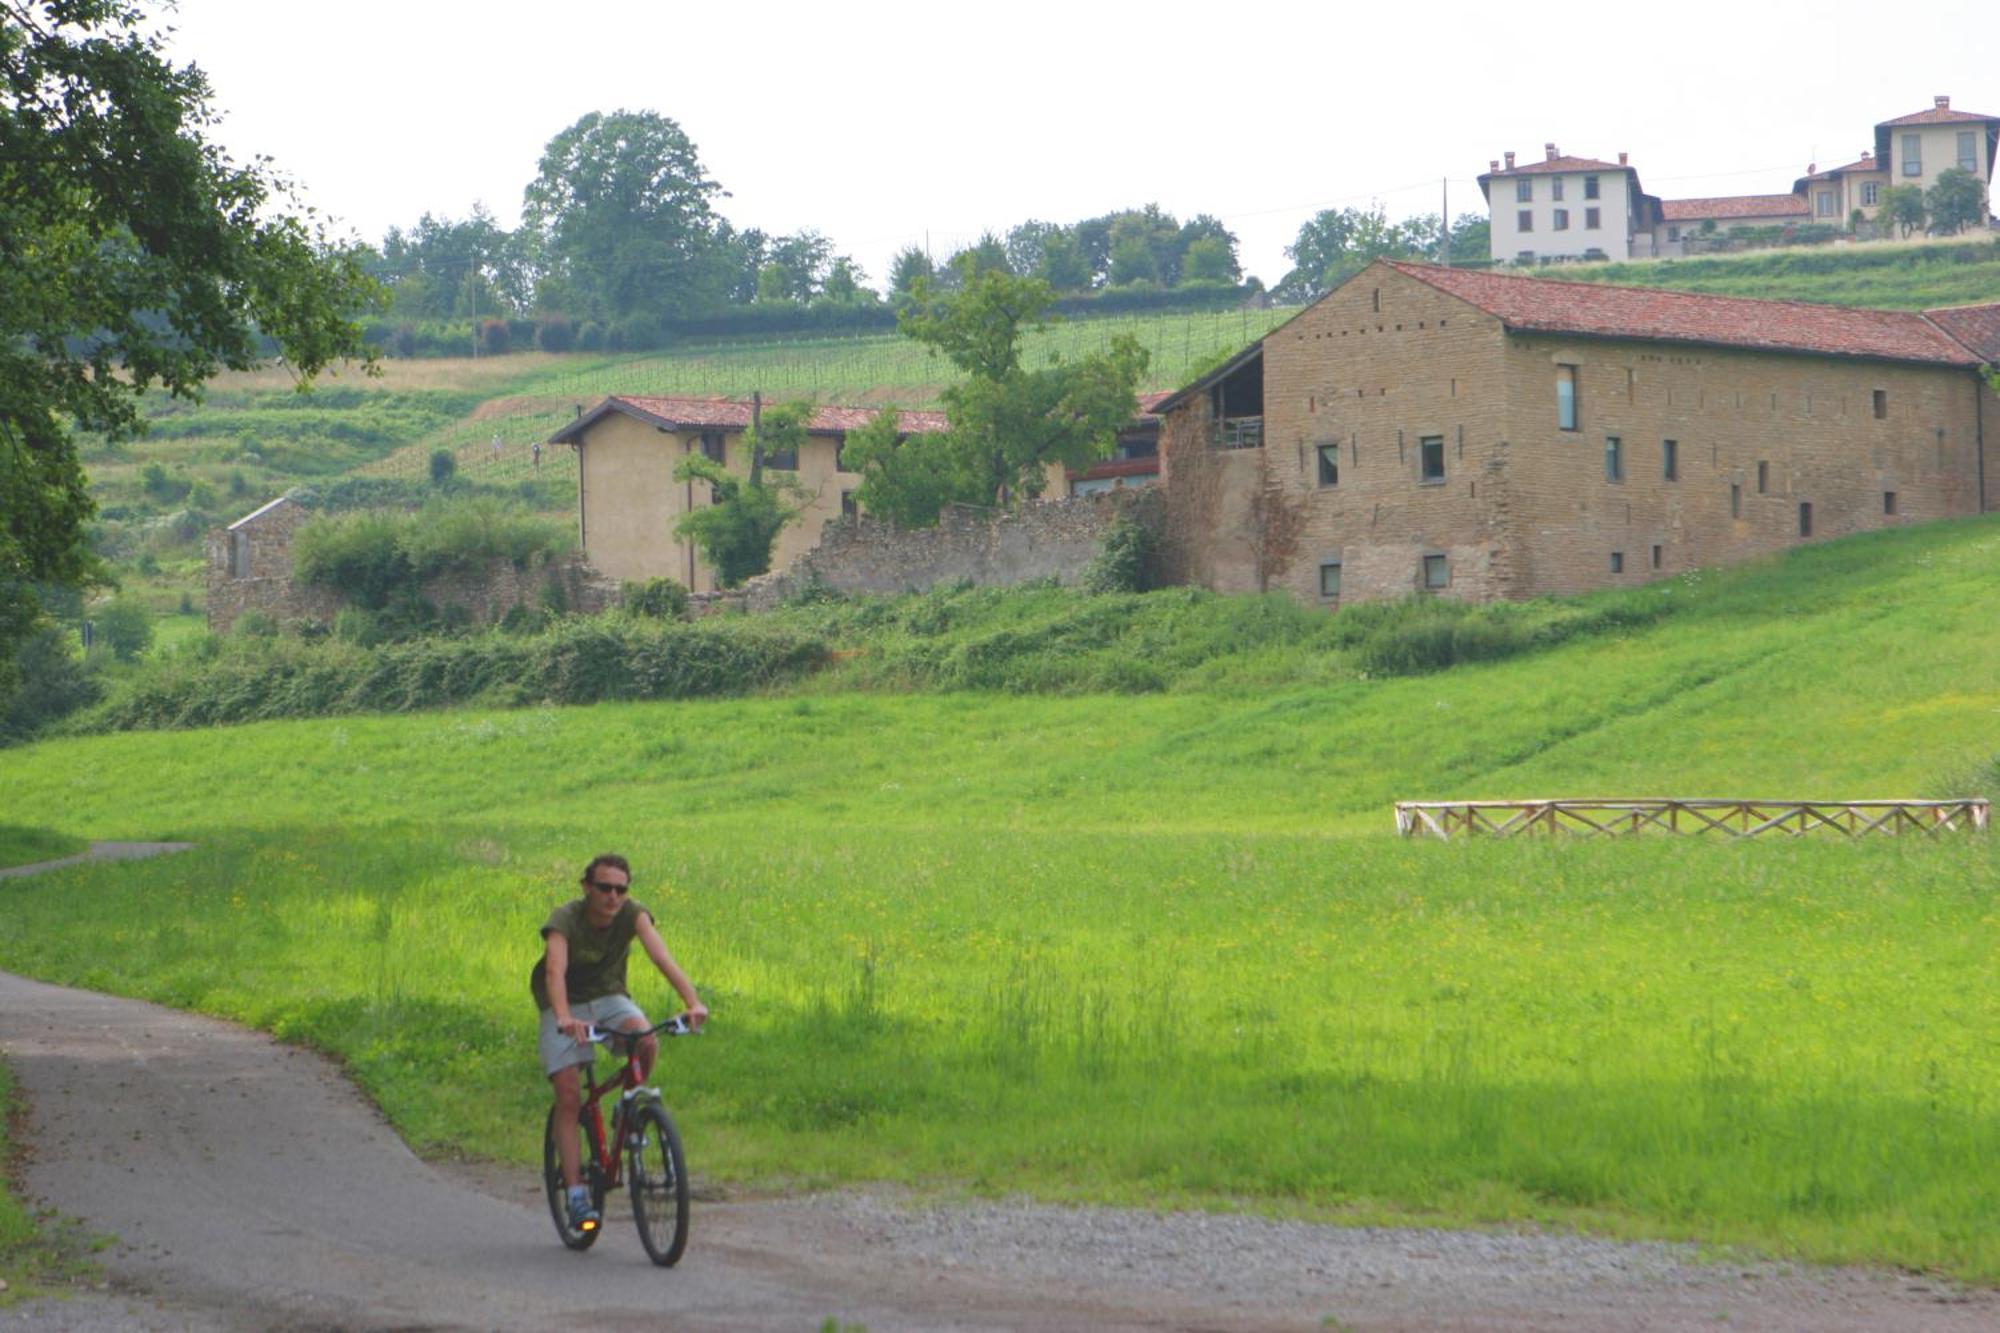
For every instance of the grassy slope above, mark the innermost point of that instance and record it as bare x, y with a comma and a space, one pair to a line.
20, 846
1163, 948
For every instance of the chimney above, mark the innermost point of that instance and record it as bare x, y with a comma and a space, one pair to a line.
1510, 161
1493, 164
1552, 151
1812, 168
1624, 161
1943, 103
1868, 155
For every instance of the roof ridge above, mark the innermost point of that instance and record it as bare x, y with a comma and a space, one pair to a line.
1666, 291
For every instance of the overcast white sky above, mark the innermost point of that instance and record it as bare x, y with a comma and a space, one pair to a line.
886, 124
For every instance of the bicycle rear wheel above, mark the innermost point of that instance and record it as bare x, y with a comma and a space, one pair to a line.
587, 1146
659, 1185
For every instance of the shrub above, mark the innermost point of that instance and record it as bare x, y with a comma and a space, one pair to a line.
590, 337
404, 342
555, 334
125, 626
256, 625
471, 533
495, 339
444, 466
1124, 563
659, 599
360, 555
634, 333
53, 682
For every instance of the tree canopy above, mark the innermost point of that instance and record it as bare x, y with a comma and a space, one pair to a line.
1335, 244
736, 533
1009, 423
1956, 201
134, 254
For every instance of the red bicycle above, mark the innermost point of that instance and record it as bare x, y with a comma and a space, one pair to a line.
642, 1151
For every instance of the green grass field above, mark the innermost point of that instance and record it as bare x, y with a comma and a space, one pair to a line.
1164, 949
20, 846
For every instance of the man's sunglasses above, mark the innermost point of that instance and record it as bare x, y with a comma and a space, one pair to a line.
602, 887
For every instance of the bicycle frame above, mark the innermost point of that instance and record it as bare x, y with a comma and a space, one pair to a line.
633, 1092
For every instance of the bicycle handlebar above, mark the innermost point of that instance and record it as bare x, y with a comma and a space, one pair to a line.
677, 1026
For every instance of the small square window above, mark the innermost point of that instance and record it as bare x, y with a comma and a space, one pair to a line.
1561, 220
1670, 460
1524, 220
1673, 234
1656, 557
1617, 562
848, 508
1430, 454
1590, 187
1735, 499
1888, 502
1556, 188
1881, 403
1437, 574
712, 446
1524, 191
1805, 519
1592, 218
1763, 478
1329, 578
1614, 458
1329, 465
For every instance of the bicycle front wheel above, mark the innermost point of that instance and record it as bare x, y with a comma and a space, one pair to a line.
659, 1185
552, 1179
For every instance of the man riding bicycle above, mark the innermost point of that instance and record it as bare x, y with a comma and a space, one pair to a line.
579, 983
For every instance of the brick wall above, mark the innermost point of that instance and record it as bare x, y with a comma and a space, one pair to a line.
1523, 508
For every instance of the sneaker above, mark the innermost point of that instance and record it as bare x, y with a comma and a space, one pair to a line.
582, 1217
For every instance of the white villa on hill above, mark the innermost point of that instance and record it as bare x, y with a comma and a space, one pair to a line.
1569, 208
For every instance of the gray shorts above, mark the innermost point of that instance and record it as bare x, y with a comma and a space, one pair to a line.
610, 1011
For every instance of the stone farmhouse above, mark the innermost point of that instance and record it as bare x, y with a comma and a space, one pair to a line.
628, 447
1571, 208
1480, 435
627, 499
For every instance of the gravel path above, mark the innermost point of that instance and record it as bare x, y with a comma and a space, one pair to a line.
248, 1186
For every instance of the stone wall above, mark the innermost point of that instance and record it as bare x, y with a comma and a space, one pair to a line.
250, 568
1045, 539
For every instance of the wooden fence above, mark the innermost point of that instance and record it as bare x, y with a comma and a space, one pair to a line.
1592, 817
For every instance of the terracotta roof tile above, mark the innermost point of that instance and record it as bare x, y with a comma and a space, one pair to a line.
1543, 305
1549, 166
731, 414
1976, 326
1936, 116
1734, 206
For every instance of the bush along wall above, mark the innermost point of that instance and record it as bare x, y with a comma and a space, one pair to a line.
578, 661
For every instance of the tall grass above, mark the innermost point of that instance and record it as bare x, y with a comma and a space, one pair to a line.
1162, 948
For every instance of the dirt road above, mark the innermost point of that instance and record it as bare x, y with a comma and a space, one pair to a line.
248, 1186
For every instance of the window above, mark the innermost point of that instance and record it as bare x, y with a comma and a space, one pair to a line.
1614, 458
1556, 188
1880, 400
1430, 457
1437, 574
1763, 478
1913, 155
782, 460
1590, 187
712, 446
1561, 222
1805, 519
1871, 193
1825, 203
1735, 499
1670, 460
1673, 233
1566, 403
848, 508
1524, 256
1329, 465
1656, 556
1617, 562
239, 555
1524, 190
1888, 502
1524, 220
1968, 152
1591, 219
1329, 578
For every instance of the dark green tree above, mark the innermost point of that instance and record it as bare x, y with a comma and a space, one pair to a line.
1903, 208
1009, 424
1956, 201
622, 210
1334, 245
909, 479
133, 255
1218, 260
909, 265
736, 533
1063, 266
